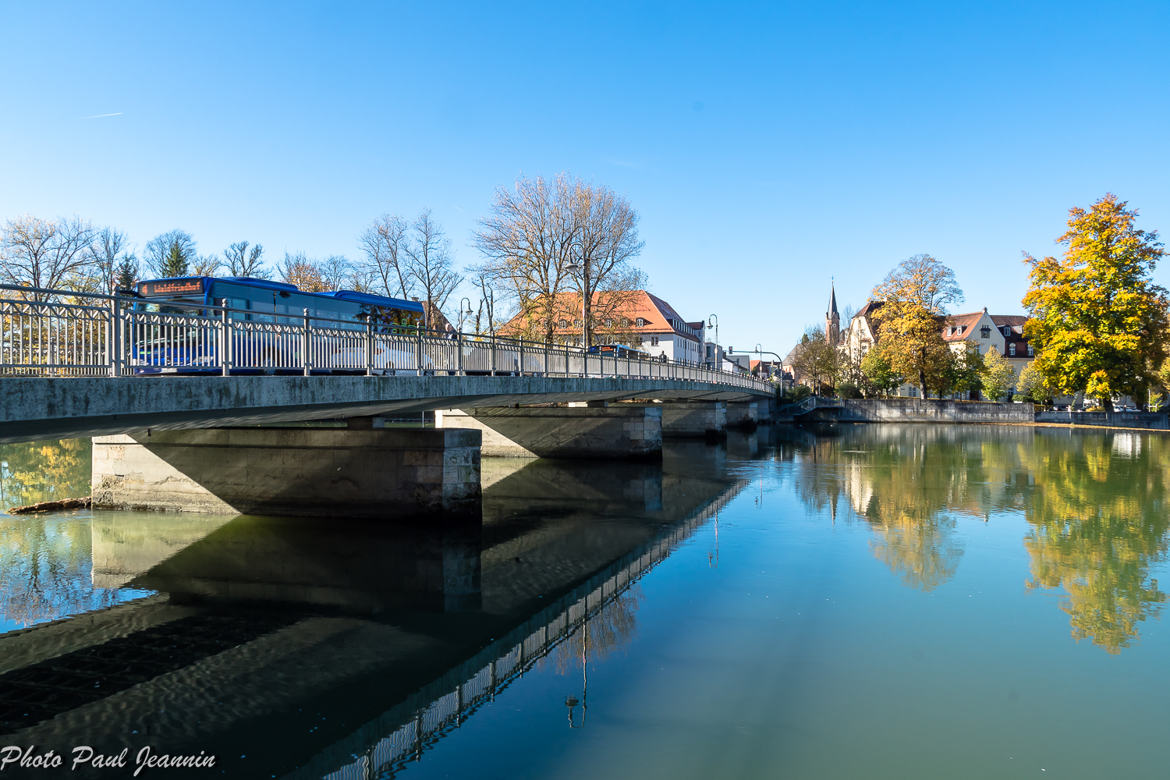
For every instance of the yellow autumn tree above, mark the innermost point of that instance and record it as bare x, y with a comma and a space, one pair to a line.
914, 300
1096, 319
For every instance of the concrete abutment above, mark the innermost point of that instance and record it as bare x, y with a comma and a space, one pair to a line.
616, 431
379, 473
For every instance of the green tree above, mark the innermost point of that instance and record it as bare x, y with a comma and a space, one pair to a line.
1032, 385
1096, 318
996, 376
171, 254
964, 375
914, 297
879, 377
816, 360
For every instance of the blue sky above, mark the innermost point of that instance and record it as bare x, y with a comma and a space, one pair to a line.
767, 147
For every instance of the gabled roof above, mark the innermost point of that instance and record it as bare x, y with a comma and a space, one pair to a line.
957, 327
658, 316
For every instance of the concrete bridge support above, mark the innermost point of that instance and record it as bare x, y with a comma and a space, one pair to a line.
744, 415
624, 431
386, 473
694, 419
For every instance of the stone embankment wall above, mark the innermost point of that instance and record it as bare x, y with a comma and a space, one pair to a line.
919, 410
1148, 420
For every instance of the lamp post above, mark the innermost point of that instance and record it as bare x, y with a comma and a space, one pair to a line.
761, 353
582, 269
713, 321
464, 308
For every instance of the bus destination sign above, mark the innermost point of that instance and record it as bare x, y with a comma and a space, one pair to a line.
151, 289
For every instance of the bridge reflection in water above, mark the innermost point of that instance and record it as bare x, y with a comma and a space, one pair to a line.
345, 649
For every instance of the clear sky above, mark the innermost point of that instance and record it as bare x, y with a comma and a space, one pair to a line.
767, 147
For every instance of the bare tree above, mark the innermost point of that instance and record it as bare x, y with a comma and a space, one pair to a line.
244, 261
206, 265
429, 263
528, 245
384, 245
486, 310
335, 271
45, 253
607, 242
109, 261
303, 273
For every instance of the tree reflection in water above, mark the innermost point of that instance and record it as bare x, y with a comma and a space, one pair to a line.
45, 568
45, 561
1099, 521
1095, 504
610, 628
31, 472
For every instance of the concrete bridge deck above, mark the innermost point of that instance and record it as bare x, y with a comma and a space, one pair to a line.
43, 407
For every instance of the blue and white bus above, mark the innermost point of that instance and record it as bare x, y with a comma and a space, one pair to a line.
267, 320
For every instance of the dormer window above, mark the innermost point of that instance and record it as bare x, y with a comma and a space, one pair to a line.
563, 323
641, 322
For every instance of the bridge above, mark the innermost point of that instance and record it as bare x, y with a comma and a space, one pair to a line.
167, 392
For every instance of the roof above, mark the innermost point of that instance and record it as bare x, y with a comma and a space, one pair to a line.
832, 300
963, 322
658, 316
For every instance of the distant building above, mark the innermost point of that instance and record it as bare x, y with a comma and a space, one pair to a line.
638, 319
832, 318
1002, 333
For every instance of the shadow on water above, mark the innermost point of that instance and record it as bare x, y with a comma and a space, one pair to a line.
1095, 504
365, 641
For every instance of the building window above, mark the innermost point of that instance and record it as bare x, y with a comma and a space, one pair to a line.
563, 323
1012, 350
641, 322
985, 332
654, 341
1030, 350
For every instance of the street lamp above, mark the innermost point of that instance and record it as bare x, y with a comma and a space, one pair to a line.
464, 308
713, 321
582, 269
761, 353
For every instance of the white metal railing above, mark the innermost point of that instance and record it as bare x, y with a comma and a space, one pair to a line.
65, 333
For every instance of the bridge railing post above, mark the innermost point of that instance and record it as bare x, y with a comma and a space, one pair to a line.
418, 350
369, 345
306, 344
225, 342
493, 357
459, 357
114, 338
546, 358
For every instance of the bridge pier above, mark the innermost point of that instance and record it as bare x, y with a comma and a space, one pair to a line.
624, 431
379, 473
746, 415
694, 419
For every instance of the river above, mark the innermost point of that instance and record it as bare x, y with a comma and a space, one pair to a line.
890, 602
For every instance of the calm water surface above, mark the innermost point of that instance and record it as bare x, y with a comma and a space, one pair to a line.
893, 602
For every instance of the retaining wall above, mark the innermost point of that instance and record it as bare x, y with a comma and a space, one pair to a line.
1149, 420
919, 410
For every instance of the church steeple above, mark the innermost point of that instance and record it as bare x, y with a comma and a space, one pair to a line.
832, 318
